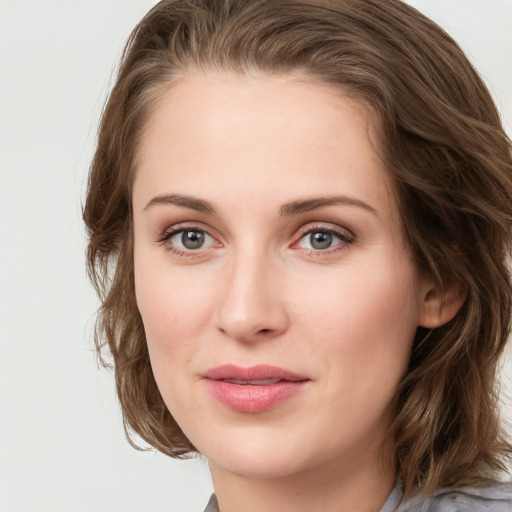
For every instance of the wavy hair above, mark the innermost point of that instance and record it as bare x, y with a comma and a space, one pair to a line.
442, 143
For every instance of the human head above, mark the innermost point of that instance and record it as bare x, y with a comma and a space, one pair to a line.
441, 141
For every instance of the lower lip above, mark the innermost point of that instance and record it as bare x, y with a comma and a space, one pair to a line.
252, 398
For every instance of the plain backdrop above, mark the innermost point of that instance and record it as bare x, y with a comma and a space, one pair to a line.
62, 446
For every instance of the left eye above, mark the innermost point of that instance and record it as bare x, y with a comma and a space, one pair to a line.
190, 239
320, 240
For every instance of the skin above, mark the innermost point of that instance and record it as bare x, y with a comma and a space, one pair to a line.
258, 292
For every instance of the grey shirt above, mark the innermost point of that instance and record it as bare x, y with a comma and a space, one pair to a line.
491, 498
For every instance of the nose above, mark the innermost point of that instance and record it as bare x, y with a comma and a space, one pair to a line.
251, 302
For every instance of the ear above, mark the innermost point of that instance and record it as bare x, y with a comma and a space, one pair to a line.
440, 306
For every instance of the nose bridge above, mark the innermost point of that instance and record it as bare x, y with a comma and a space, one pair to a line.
252, 305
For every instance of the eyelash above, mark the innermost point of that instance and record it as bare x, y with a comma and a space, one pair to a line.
167, 235
345, 236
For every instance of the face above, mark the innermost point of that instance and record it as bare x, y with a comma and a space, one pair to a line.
278, 298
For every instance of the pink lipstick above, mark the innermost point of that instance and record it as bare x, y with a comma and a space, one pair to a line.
253, 389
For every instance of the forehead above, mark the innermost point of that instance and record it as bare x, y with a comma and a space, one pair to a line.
231, 136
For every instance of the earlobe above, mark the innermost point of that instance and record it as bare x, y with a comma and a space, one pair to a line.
439, 307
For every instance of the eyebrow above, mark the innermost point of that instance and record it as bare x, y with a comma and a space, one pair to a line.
178, 200
287, 210
308, 205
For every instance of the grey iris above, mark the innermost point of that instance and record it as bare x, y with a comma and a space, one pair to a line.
192, 239
320, 240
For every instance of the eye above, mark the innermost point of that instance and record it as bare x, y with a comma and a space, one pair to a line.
186, 240
190, 239
323, 239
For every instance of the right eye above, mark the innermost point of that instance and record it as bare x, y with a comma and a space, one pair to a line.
184, 241
190, 239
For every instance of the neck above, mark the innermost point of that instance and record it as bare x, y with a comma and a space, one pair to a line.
335, 487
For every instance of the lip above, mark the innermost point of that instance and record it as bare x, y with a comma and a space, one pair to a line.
253, 389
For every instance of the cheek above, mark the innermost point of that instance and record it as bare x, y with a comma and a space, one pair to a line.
364, 322
174, 311
174, 308
363, 331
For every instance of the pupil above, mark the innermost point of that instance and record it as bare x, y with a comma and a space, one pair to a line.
192, 239
320, 240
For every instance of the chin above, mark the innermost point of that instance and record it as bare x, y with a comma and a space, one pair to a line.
254, 454
256, 466
266, 457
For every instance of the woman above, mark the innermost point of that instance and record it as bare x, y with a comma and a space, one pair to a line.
300, 217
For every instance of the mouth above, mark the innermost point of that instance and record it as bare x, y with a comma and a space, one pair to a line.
254, 389
258, 374
260, 382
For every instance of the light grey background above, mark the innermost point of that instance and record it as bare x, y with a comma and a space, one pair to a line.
61, 440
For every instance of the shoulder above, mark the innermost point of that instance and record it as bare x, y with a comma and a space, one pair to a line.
212, 504
495, 497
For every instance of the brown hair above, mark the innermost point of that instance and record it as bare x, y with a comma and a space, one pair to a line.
441, 141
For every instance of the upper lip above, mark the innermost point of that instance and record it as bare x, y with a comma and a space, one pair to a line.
252, 373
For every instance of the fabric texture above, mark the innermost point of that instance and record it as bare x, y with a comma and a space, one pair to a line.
491, 498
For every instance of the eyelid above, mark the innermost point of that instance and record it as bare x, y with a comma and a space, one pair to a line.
183, 226
345, 235
165, 237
